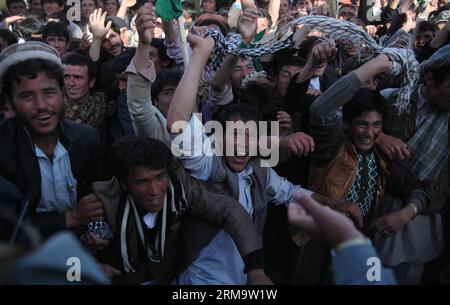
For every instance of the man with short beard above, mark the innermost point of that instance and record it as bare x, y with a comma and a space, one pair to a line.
51, 161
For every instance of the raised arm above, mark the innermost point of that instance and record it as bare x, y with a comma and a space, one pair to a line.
274, 9
122, 12
185, 96
147, 119
246, 25
99, 31
323, 110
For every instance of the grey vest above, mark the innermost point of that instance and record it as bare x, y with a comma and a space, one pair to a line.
198, 233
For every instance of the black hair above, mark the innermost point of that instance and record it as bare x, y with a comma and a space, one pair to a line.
38, 14
131, 151
364, 100
60, 2
290, 61
117, 2
9, 2
95, 2
158, 43
166, 77
56, 29
352, 6
440, 74
425, 26
75, 59
8, 36
30, 69
244, 112
29, 26
115, 23
264, 97
60, 16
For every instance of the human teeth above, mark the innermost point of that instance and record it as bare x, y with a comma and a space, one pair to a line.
43, 116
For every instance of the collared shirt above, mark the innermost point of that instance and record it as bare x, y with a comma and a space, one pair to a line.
314, 83
220, 262
58, 185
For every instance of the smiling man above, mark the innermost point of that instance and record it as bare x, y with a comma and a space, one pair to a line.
149, 205
345, 164
82, 106
52, 161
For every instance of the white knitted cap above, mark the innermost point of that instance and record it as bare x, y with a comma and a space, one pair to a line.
20, 52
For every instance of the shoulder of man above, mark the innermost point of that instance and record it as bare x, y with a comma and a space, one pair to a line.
76, 132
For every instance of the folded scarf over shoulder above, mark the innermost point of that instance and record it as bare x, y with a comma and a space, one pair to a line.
174, 203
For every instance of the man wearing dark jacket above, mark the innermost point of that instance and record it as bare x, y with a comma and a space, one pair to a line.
50, 160
150, 205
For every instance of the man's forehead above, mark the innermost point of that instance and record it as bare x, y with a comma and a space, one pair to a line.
243, 61
141, 171
75, 67
290, 68
22, 83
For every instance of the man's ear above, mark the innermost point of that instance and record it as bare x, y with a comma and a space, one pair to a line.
92, 82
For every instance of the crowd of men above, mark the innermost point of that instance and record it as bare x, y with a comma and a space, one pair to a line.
100, 136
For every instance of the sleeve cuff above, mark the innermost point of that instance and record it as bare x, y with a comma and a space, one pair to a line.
148, 72
254, 260
353, 242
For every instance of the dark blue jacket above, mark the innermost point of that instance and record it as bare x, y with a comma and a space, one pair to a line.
19, 165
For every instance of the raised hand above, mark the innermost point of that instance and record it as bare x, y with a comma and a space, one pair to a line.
392, 147
86, 41
200, 44
247, 24
410, 22
323, 53
145, 23
300, 34
97, 24
128, 3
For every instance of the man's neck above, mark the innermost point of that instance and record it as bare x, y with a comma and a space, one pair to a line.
81, 101
47, 143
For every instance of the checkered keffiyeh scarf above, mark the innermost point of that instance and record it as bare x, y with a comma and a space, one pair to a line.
429, 147
404, 62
